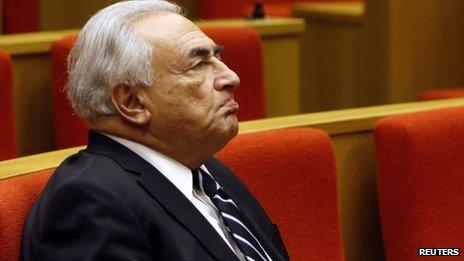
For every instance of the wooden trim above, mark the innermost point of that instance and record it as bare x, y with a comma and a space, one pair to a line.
333, 122
28, 164
266, 27
33, 43
351, 12
348, 120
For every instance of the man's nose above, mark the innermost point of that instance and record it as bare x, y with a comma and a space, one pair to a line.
226, 78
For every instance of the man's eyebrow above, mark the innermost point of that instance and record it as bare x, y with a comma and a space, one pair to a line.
218, 49
205, 52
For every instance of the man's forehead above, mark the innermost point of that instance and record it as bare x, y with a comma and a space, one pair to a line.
194, 41
170, 29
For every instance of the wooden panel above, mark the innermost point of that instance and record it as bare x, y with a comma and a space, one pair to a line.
69, 14
426, 46
32, 86
391, 52
330, 63
32, 103
351, 132
355, 155
282, 75
59, 15
330, 67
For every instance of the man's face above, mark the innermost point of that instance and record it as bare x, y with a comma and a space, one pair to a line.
192, 98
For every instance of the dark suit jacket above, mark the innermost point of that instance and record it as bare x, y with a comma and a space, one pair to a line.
107, 203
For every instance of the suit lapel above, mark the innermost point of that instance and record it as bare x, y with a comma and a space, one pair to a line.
182, 209
247, 215
165, 193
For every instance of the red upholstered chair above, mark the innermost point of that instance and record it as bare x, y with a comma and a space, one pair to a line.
70, 131
242, 53
292, 172
420, 179
243, 8
20, 16
17, 195
438, 94
8, 147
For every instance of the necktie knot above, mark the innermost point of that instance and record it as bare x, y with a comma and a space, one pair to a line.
204, 182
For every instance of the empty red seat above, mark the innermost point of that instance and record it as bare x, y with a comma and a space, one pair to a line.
292, 172
17, 194
242, 53
70, 131
438, 94
420, 179
20, 16
8, 147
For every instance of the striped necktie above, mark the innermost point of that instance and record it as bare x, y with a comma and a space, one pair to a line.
231, 215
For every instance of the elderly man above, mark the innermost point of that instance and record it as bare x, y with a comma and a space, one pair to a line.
160, 103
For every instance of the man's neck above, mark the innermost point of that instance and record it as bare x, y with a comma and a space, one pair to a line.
191, 153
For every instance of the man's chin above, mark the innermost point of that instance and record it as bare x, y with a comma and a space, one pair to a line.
232, 124
230, 129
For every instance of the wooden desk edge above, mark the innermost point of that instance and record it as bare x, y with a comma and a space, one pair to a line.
35, 43
28, 164
333, 122
351, 12
265, 27
347, 120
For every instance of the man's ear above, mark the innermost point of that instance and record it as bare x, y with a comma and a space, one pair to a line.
130, 106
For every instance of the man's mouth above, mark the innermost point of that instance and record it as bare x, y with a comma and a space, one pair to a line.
231, 106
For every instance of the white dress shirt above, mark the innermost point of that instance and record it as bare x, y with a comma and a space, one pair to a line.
181, 177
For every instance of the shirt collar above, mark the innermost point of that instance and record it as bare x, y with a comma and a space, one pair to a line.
177, 173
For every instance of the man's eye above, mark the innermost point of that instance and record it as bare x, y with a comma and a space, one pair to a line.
199, 65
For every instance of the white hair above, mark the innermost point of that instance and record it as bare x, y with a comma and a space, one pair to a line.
108, 52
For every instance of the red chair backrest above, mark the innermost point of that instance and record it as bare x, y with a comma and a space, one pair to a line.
242, 53
17, 195
242, 8
292, 173
420, 179
20, 16
8, 147
70, 131
438, 94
